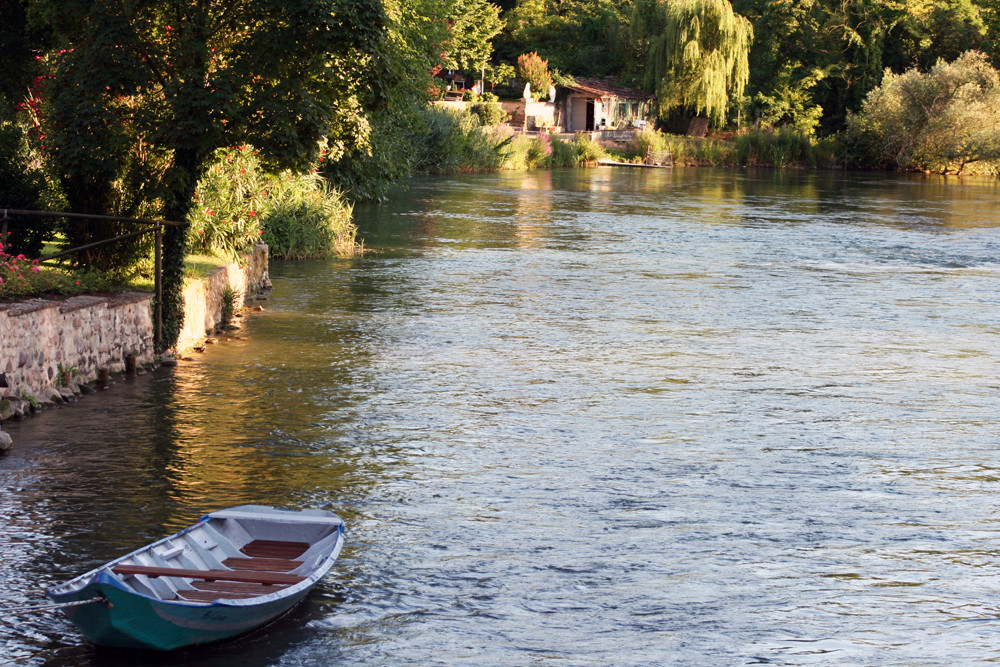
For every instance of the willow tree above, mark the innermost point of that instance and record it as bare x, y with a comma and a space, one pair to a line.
699, 62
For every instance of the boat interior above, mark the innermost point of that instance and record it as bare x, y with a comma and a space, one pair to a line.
231, 556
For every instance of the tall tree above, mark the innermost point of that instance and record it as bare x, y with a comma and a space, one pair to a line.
941, 120
156, 88
472, 25
699, 62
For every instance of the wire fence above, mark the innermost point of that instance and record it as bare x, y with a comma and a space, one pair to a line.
153, 227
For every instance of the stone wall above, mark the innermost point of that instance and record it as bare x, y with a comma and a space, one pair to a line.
86, 334
203, 298
81, 333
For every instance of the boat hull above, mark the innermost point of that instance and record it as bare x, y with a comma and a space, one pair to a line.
137, 619
134, 621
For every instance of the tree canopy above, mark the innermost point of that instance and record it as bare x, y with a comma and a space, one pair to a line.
142, 94
940, 120
699, 61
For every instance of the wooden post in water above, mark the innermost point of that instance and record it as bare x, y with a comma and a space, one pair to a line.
103, 377
130, 367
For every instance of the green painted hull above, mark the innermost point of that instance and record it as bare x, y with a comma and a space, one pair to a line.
139, 622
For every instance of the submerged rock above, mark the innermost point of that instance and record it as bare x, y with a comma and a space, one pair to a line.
5, 442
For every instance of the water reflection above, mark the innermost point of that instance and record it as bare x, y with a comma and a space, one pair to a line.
687, 416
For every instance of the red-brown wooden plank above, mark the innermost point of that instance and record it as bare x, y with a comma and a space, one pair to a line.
262, 564
237, 587
210, 575
274, 549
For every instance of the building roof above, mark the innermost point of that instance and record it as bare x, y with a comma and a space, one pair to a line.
608, 87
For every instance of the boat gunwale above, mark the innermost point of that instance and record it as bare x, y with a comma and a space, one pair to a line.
104, 574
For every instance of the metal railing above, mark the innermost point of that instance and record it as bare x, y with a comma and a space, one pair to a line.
155, 227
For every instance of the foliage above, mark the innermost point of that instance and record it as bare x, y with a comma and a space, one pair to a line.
700, 60
18, 46
230, 298
451, 142
229, 201
585, 37
942, 120
21, 187
239, 204
20, 277
534, 71
144, 93
778, 149
490, 114
564, 153
500, 73
472, 25
307, 218
588, 151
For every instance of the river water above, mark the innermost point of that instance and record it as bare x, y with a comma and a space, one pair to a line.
602, 417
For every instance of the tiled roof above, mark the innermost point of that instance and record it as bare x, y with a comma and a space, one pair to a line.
608, 88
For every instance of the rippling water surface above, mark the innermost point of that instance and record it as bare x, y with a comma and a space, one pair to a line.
585, 418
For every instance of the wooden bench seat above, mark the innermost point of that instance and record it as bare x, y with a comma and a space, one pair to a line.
249, 576
262, 564
274, 549
237, 587
207, 591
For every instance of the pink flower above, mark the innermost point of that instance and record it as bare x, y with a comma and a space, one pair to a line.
77, 282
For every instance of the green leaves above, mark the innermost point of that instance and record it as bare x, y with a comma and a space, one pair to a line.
699, 61
942, 120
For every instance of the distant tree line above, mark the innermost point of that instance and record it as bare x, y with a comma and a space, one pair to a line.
122, 106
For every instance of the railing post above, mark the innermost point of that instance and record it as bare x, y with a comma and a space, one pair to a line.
158, 282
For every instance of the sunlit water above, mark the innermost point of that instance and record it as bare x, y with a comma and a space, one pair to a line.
580, 418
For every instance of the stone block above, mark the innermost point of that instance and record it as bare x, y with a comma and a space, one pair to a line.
50, 395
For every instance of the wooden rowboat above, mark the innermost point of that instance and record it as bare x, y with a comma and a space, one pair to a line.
233, 571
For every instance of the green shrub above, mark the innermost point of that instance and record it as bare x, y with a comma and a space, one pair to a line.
238, 204
230, 300
588, 151
225, 217
452, 141
307, 218
563, 154
489, 113
942, 120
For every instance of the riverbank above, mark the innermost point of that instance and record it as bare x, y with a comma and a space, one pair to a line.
459, 144
63, 349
